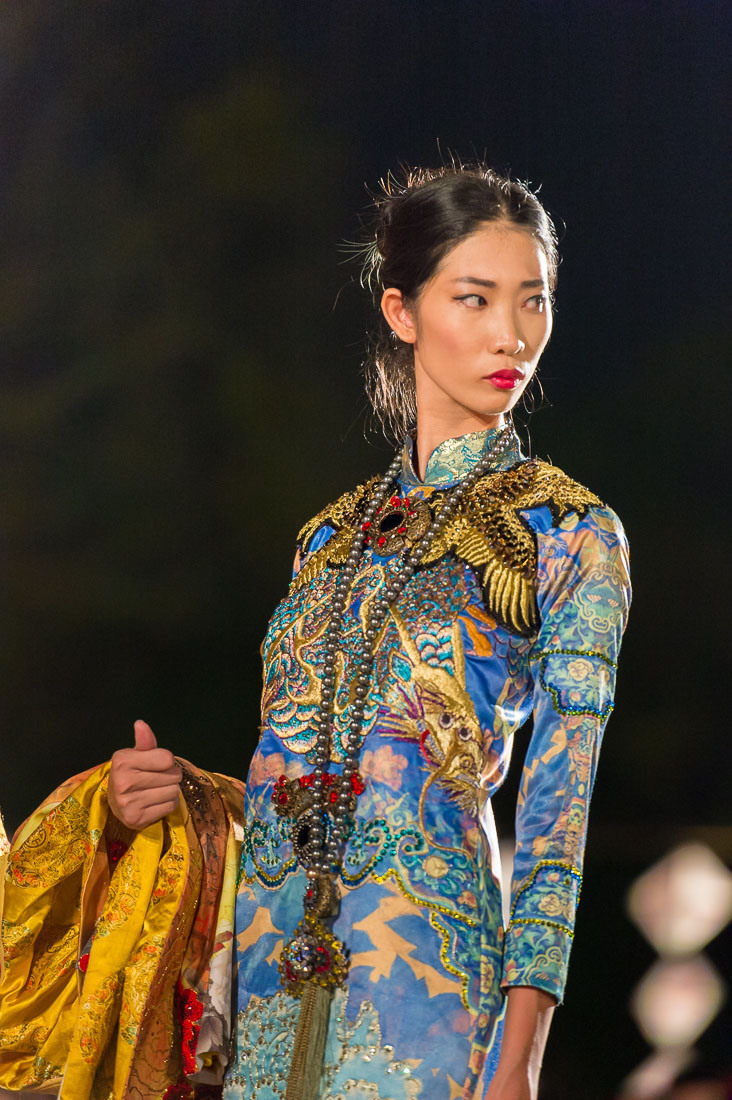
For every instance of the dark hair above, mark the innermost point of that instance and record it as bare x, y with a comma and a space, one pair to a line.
418, 220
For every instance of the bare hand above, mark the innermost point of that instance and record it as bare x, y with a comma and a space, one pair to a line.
144, 782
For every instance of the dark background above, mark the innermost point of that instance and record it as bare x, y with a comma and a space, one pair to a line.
180, 389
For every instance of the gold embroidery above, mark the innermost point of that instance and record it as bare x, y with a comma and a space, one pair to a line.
58, 845
54, 953
97, 1008
441, 718
345, 512
16, 938
487, 533
31, 1033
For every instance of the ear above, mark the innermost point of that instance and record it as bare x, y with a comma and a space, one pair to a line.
399, 318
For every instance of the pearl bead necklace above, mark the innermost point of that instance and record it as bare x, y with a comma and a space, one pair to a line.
328, 849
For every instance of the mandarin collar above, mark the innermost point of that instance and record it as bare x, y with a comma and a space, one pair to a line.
454, 458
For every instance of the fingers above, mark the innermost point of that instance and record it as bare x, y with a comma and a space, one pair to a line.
144, 782
153, 762
153, 814
144, 737
137, 809
138, 780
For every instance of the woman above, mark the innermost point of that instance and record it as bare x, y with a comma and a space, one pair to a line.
431, 611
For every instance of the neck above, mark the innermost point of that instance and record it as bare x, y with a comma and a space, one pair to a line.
432, 431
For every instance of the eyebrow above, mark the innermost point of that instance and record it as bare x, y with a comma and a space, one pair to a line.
491, 284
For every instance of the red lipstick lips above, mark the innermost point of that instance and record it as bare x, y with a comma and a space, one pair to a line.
506, 379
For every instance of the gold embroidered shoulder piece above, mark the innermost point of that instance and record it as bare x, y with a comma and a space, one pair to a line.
491, 536
343, 516
487, 532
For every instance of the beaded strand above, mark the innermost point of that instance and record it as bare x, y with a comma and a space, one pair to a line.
328, 850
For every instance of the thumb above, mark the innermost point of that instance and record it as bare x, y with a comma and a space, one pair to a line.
144, 737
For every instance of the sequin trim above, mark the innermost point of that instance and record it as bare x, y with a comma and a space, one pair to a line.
388, 845
560, 708
431, 905
262, 831
568, 868
546, 923
444, 934
572, 653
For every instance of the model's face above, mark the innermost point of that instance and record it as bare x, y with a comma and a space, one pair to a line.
479, 327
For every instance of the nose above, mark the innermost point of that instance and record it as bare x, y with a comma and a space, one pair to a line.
506, 339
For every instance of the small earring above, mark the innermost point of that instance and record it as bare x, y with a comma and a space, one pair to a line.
394, 339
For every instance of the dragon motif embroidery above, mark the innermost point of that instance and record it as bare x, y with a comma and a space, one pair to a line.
487, 532
426, 703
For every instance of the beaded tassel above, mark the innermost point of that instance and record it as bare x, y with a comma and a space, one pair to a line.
307, 1056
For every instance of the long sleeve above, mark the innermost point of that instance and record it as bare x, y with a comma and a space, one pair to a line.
583, 596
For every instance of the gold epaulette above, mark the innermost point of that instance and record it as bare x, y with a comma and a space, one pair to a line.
344, 516
487, 532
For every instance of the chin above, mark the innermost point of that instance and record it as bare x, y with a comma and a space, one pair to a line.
489, 409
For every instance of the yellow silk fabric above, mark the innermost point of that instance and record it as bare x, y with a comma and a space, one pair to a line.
4, 846
111, 1032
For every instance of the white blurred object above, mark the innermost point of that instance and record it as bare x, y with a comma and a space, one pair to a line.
676, 1000
508, 851
654, 1077
683, 901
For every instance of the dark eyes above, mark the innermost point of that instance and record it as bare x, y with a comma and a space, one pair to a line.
473, 301
537, 303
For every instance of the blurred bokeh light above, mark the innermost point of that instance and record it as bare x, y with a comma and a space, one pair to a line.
683, 901
676, 1000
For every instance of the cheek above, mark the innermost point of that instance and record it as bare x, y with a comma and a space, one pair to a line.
445, 334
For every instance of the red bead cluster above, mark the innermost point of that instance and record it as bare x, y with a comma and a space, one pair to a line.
397, 502
281, 795
189, 1010
115, 850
